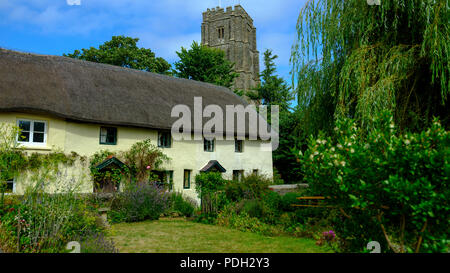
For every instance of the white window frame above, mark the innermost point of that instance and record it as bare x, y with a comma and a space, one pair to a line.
31, 143
14, 186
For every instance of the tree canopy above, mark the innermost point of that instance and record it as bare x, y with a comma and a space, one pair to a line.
273, 89
355, 60
202, 63
123, 51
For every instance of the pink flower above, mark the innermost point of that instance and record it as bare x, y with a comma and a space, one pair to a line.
148, 167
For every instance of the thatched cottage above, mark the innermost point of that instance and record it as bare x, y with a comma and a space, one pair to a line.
83, 107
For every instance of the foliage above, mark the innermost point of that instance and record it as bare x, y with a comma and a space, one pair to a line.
390, 187
142, 158
11, 156
288, 199
209, 182
123, 51
244, 222
250, 187
285, 157
274, 90
116, 175
355, 60
202, 63
96, 242
41, 222
182, 205
138, 202
14, 160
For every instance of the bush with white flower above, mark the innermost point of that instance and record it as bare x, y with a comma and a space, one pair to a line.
390, 187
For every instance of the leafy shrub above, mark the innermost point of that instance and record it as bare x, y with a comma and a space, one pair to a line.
253, 208
288, 200
143, 157
182, 204
390, 187
42, 222
209, 187
210, 182
114, 174
272, 200
138, 202
244, 222
251, 187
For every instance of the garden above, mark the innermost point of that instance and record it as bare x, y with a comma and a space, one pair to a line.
378, 186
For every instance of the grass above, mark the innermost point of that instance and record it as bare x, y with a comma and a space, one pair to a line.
181, 236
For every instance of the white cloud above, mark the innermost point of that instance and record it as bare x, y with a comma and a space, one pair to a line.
73, 2
166, 46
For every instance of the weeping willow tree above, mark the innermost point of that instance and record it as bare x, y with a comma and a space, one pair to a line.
354, 59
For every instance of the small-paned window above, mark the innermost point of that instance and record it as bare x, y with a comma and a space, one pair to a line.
108, 135
164, 139
208, 145
32, 131
238, 146
187, 179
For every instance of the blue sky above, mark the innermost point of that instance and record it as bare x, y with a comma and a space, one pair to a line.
55, 27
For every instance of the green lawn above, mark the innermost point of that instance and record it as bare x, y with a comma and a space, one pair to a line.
178, 235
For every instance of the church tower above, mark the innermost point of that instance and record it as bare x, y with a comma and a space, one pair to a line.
233, 32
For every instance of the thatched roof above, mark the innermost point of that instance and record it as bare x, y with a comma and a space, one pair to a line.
99, 93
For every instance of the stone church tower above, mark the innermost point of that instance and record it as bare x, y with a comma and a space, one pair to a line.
233, 32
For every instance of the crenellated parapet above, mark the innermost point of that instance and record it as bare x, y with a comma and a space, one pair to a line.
231, 29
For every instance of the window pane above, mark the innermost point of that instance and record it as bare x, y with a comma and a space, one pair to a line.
186, 179
24, 125
39, 127
38, 137
160, 140
24, 137
111, 136
238, 146
168, 140
164, 139
108, 135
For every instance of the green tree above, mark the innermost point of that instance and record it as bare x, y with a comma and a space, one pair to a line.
355, 60
123, 51
274, 90
202, 63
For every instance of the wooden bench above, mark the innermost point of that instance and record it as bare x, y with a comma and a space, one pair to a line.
312, 201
